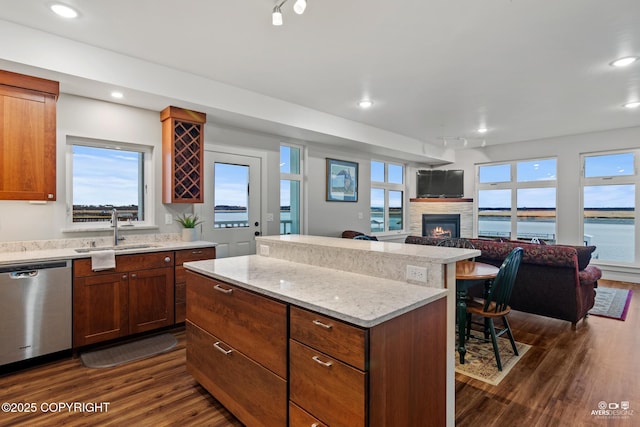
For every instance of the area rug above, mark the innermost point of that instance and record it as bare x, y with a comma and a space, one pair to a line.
128, 352
480, 361
612, 303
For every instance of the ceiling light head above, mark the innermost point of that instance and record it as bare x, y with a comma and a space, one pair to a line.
623, 62
632, 105
365, 103
276, 16
117, 95
64, 11
299, 6
482, 129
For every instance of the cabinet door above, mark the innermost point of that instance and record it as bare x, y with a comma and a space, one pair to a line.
151, 299
100, 308
27, 145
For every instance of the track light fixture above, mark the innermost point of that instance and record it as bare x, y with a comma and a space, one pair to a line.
276, 16
298, 7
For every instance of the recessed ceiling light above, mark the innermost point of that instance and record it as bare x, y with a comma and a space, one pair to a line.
64, 10
117, 95
365, 103
482, 130
634, 104
623, 62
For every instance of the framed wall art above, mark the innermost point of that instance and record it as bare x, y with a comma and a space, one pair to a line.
342, 181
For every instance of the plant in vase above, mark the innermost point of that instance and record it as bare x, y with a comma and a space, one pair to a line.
189, 223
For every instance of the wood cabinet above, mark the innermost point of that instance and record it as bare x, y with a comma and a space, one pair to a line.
237, 349
393, 373
183, 256
136, 296
336, 374
27, 137
182, 155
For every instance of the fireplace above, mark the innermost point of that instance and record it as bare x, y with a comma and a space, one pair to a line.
441, 225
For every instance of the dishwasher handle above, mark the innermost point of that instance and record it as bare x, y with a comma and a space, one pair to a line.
24, 274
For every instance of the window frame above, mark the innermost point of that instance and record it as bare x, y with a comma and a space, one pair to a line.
148, 177
387, 186
514, 185
299, 177
632, 179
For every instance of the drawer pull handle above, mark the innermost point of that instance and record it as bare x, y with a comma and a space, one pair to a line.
317, 359
223, 290
324, 325
196, 252
220, 349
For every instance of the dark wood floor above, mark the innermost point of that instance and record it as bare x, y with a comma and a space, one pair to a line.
559, 382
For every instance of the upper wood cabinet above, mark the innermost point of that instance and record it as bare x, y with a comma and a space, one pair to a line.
182, 155
27, 137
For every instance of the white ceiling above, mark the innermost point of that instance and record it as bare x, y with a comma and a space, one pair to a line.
525, 69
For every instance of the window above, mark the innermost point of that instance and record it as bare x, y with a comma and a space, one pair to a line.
387, 197
518, 200
106, 176
609, 183
290, 189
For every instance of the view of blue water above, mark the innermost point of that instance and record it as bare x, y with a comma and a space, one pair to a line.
613, 239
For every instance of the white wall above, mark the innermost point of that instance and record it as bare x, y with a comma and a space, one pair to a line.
82, 117
90, 118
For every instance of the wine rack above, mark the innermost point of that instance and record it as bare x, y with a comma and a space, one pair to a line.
182, 154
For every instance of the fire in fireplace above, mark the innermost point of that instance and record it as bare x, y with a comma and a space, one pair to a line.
441, 225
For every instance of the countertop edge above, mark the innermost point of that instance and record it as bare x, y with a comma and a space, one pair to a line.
340, 315
9, 258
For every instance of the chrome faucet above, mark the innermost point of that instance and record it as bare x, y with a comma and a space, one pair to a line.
114, 222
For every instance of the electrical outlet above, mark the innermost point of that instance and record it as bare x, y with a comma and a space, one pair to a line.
416, 274
168, 219
264, 250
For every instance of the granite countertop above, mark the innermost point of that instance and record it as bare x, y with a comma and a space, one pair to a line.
355, 298
55, 254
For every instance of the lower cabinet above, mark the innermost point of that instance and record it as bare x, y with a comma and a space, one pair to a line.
136, 296
237, 349
183, 256
332, 374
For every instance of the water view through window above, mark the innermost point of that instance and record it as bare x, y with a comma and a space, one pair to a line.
106, 178
525, 207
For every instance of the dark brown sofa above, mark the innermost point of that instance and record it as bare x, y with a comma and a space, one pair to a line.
553, 280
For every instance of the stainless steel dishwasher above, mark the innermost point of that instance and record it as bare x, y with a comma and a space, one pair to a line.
35, 310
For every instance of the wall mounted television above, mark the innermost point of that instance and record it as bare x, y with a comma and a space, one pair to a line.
436, 183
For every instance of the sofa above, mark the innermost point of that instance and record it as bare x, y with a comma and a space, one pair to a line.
553, 280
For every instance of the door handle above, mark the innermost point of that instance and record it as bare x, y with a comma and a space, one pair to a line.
257, 233
256, 223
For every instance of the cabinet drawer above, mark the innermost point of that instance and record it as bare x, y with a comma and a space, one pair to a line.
333, 337
255, 325
125, 263
325, 387
194, 254
300, 418
256, 396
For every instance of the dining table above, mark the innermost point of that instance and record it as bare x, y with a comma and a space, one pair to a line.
468, 274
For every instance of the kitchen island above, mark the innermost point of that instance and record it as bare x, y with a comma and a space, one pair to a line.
276, 340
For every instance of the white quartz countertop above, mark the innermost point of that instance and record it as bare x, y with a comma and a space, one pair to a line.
434, 254
55, 254
355, 298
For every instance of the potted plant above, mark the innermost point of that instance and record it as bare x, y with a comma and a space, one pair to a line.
189, 223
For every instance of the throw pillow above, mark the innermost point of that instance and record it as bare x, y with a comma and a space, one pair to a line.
584, 255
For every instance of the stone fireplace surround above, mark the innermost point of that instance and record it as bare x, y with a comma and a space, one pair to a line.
463, 207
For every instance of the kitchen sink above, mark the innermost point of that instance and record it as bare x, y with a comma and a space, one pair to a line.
116, 248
